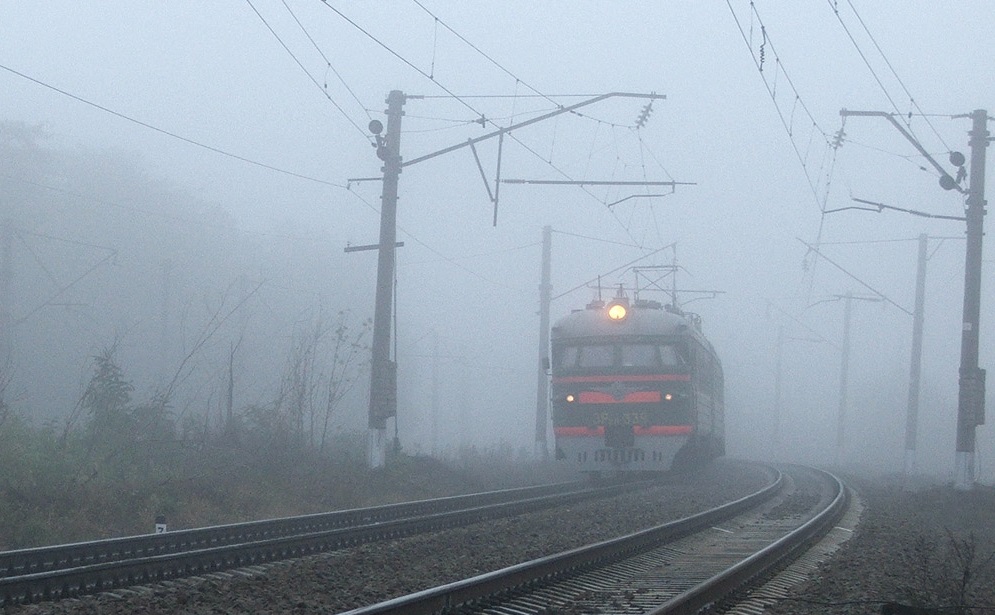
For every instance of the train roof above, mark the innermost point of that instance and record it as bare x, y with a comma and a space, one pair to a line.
643, 318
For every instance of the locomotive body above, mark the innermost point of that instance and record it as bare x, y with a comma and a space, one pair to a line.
635, 388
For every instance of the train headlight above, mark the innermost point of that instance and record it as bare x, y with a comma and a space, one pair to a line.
617, 312
668, 396
570, 398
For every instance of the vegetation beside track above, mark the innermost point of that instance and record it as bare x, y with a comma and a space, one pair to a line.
123, 463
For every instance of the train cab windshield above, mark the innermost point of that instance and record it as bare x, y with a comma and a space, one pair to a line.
638, 355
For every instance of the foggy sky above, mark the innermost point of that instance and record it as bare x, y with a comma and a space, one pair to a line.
217, 75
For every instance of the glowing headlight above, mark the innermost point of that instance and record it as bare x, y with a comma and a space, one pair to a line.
617, 311
570, 398
668, 396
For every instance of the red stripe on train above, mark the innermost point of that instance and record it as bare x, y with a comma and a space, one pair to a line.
652, 430
664, 430
624, 378
575, 432
595, 397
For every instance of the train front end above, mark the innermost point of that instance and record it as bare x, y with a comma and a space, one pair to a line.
623, 392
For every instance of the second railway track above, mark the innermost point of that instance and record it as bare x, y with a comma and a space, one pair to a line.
60, 571
367, 573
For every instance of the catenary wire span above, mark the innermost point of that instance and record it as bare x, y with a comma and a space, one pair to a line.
222, 152
787, 118
323, 90
151, 212
484, 120
820, 184
171, 134
907, 118
518, 81
327, 61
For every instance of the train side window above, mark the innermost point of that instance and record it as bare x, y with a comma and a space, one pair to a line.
565, 356
670, 356
640, 355
596, 356
705, 368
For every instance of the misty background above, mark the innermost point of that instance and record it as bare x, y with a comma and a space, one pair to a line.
178, 179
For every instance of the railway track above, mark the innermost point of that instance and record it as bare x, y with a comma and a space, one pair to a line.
52, 573
679, 567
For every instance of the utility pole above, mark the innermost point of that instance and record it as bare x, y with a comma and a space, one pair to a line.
971, 382
845, 370
778, 360
844, 374
971, 392
383, 371
6, 276
542, 390
164, 350
915, 365
435, 393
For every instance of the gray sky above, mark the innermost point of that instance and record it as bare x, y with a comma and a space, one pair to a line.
216, 74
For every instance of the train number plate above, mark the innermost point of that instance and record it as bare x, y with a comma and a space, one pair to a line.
621, 418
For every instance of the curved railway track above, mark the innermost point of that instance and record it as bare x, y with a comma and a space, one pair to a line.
679, 567
51, 573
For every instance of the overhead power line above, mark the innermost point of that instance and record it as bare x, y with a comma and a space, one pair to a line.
484, 120
759, 58
168, 133
852, 276
327, 61
324, 91
157, 213
482, 53
397, 55
894, 73
518, 80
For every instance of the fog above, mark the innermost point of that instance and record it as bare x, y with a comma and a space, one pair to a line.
181, 176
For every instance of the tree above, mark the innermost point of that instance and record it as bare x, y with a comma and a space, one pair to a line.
106, 398
348, 346
323, 359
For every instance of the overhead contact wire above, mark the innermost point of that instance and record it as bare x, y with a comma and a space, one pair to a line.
327, 61
895, 74
309, 75
459, 99
759, 64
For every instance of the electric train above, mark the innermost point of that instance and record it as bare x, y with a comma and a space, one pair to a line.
635, 387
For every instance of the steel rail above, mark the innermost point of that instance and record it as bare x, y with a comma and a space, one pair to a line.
762, 563
486, 586
70, 570
41, 559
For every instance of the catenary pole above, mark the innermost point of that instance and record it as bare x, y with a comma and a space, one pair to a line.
844, 374
542, 390
778, 360
971, 382
6, 277
383, 373
915, 365
971, 392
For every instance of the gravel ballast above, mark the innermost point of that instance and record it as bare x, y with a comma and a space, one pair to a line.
926, 545
896, 554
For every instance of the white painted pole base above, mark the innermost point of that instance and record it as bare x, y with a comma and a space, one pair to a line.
540, 452
910, 462
376, 448
964, 471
